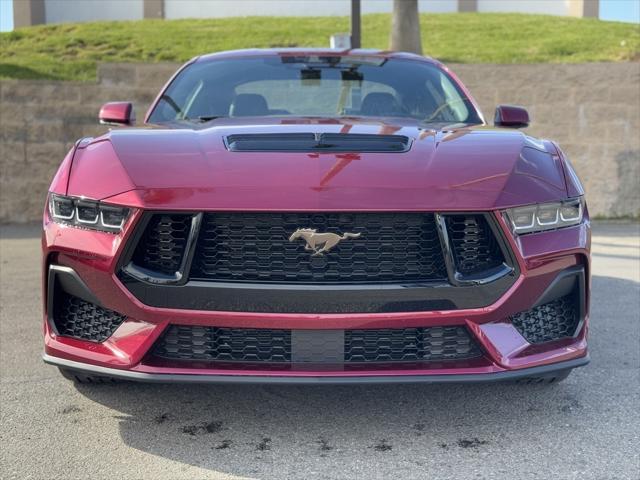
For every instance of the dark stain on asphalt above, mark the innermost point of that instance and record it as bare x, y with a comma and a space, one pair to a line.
223, 445
202, 428
572, 404
213, 427
265, 444
324, 445
191, 429
382, 446
444, 446
419, 428
471, 443
163, 417
70, 409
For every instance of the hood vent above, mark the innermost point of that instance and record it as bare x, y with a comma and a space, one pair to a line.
310, 142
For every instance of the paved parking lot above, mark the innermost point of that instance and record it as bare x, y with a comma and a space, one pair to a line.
587, 427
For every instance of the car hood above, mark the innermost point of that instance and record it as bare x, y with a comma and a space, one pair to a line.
191, 168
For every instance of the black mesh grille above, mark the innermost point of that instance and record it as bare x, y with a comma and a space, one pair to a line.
551, 321
475, 248
409, 344
276, 346
255, 247
161, 247
77, 318
225, 344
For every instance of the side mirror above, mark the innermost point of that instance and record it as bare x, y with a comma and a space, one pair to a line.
511, 116
117, 113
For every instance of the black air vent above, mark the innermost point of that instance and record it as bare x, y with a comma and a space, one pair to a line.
77, 318
182, 342
551, 321
163, 243
409, 344
475, 247
309, 142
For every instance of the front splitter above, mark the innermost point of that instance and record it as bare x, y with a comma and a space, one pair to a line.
540, 371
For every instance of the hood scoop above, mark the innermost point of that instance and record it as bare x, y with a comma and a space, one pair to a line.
317, 142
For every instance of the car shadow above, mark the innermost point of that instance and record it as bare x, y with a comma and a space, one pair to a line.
277, 431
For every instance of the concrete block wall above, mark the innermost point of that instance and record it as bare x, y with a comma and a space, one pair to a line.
592, 110
41, 120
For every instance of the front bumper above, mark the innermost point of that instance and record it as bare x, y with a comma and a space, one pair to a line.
132, 375
506, 354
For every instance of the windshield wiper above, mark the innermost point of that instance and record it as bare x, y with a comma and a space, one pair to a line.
441, 125
204, 118
171, 102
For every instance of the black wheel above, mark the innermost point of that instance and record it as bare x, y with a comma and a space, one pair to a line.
84, 379
555, 377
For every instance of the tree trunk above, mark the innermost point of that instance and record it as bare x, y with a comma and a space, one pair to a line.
405, 27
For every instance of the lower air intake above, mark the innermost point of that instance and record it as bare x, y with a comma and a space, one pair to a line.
550, 321
409, 345
76, 318
225, 344
320, 346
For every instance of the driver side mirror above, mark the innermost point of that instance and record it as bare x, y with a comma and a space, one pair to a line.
511, 116
117, 113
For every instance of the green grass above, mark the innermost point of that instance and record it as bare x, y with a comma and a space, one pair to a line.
72, 51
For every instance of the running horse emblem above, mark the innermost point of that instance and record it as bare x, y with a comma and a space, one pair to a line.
320, 243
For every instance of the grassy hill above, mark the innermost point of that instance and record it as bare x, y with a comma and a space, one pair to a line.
71, 51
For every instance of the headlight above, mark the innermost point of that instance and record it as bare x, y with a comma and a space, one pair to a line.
80, 212
545, 216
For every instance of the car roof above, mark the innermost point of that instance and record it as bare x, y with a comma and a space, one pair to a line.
358, 52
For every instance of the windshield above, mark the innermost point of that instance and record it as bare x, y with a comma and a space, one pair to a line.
320, 86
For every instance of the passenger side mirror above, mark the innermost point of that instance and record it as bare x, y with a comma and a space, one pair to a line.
117, 113
511, 116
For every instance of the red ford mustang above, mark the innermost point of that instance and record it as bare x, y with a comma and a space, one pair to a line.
315, 216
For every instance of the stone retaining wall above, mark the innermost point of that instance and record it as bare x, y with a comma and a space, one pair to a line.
592, 110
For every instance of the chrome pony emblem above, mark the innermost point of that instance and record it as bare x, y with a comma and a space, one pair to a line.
319, 243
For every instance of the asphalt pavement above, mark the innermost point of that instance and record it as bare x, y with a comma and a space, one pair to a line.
587, 427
